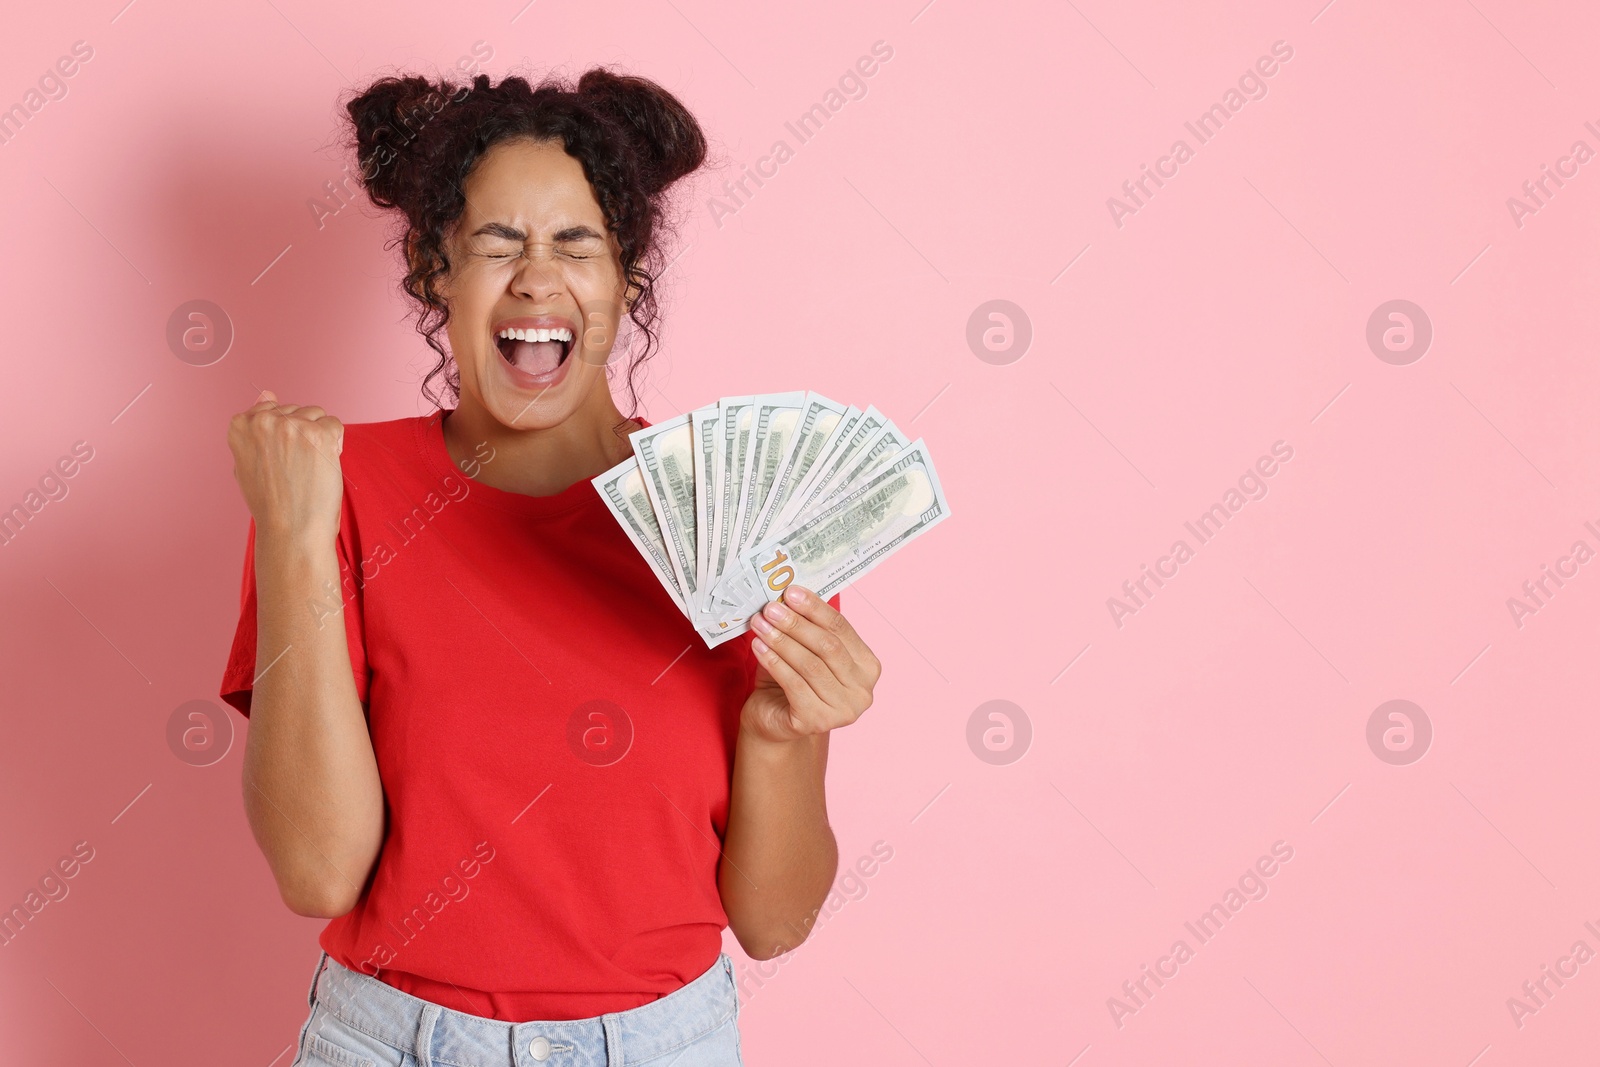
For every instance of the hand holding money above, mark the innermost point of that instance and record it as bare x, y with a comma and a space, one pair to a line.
733, 502
814, 673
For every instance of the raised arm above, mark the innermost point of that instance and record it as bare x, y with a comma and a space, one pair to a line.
311, 788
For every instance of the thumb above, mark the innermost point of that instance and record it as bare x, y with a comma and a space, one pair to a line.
267, 394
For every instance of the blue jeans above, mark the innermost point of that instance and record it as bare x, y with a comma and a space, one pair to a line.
358, 1021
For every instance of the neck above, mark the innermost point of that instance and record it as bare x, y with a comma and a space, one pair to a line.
542, 461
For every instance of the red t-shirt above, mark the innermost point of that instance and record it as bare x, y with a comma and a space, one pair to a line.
555, 742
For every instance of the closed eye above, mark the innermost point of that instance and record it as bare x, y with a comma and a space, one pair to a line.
568, 253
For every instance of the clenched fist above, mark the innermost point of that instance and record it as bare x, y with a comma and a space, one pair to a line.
286, 461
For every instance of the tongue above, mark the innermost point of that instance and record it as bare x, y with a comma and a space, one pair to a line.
535, 357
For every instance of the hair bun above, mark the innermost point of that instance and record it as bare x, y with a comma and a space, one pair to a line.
668, 138
389, 121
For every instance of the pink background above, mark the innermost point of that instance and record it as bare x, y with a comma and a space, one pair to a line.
1168, 354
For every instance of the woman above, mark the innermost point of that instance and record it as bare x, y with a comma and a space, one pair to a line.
485, 743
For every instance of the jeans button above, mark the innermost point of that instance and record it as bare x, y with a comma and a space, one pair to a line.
539, 1048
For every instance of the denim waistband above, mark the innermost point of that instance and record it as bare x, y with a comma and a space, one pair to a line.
442, 1037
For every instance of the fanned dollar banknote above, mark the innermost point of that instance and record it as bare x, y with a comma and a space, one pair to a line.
732, 502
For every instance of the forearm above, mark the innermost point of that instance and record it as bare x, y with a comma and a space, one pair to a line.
779, 853
311, 787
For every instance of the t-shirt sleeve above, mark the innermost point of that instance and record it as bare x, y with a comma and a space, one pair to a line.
238, 678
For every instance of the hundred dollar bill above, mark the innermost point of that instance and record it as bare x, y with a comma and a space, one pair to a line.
800, 500
835, 440
733, 433
665, 452
814, 422
776, 419
703, 425
845, 447
714, 633
733, 588
818, 417
900, 500
622, 488
885, 443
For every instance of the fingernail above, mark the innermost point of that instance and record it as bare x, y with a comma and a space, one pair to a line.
759, 645
759, 623
795, 595
777, 612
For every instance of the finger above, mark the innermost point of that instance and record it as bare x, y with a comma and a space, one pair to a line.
824, 643
328, 422
795, 687
268, 401
825, 615
819, 677
316, 433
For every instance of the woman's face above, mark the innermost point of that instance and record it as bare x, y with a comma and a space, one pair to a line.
531, 252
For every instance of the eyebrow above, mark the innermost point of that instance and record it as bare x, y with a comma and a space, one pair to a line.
511, 233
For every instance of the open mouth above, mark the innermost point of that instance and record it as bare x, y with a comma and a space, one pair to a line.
534, 351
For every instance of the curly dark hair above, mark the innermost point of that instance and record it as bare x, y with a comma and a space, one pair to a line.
417, 141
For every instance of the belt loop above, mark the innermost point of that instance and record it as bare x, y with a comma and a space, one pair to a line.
311, 997
614, 1054
424, 1039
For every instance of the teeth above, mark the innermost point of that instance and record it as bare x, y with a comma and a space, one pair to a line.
559, 334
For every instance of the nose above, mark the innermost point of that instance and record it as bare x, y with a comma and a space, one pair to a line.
534, 278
